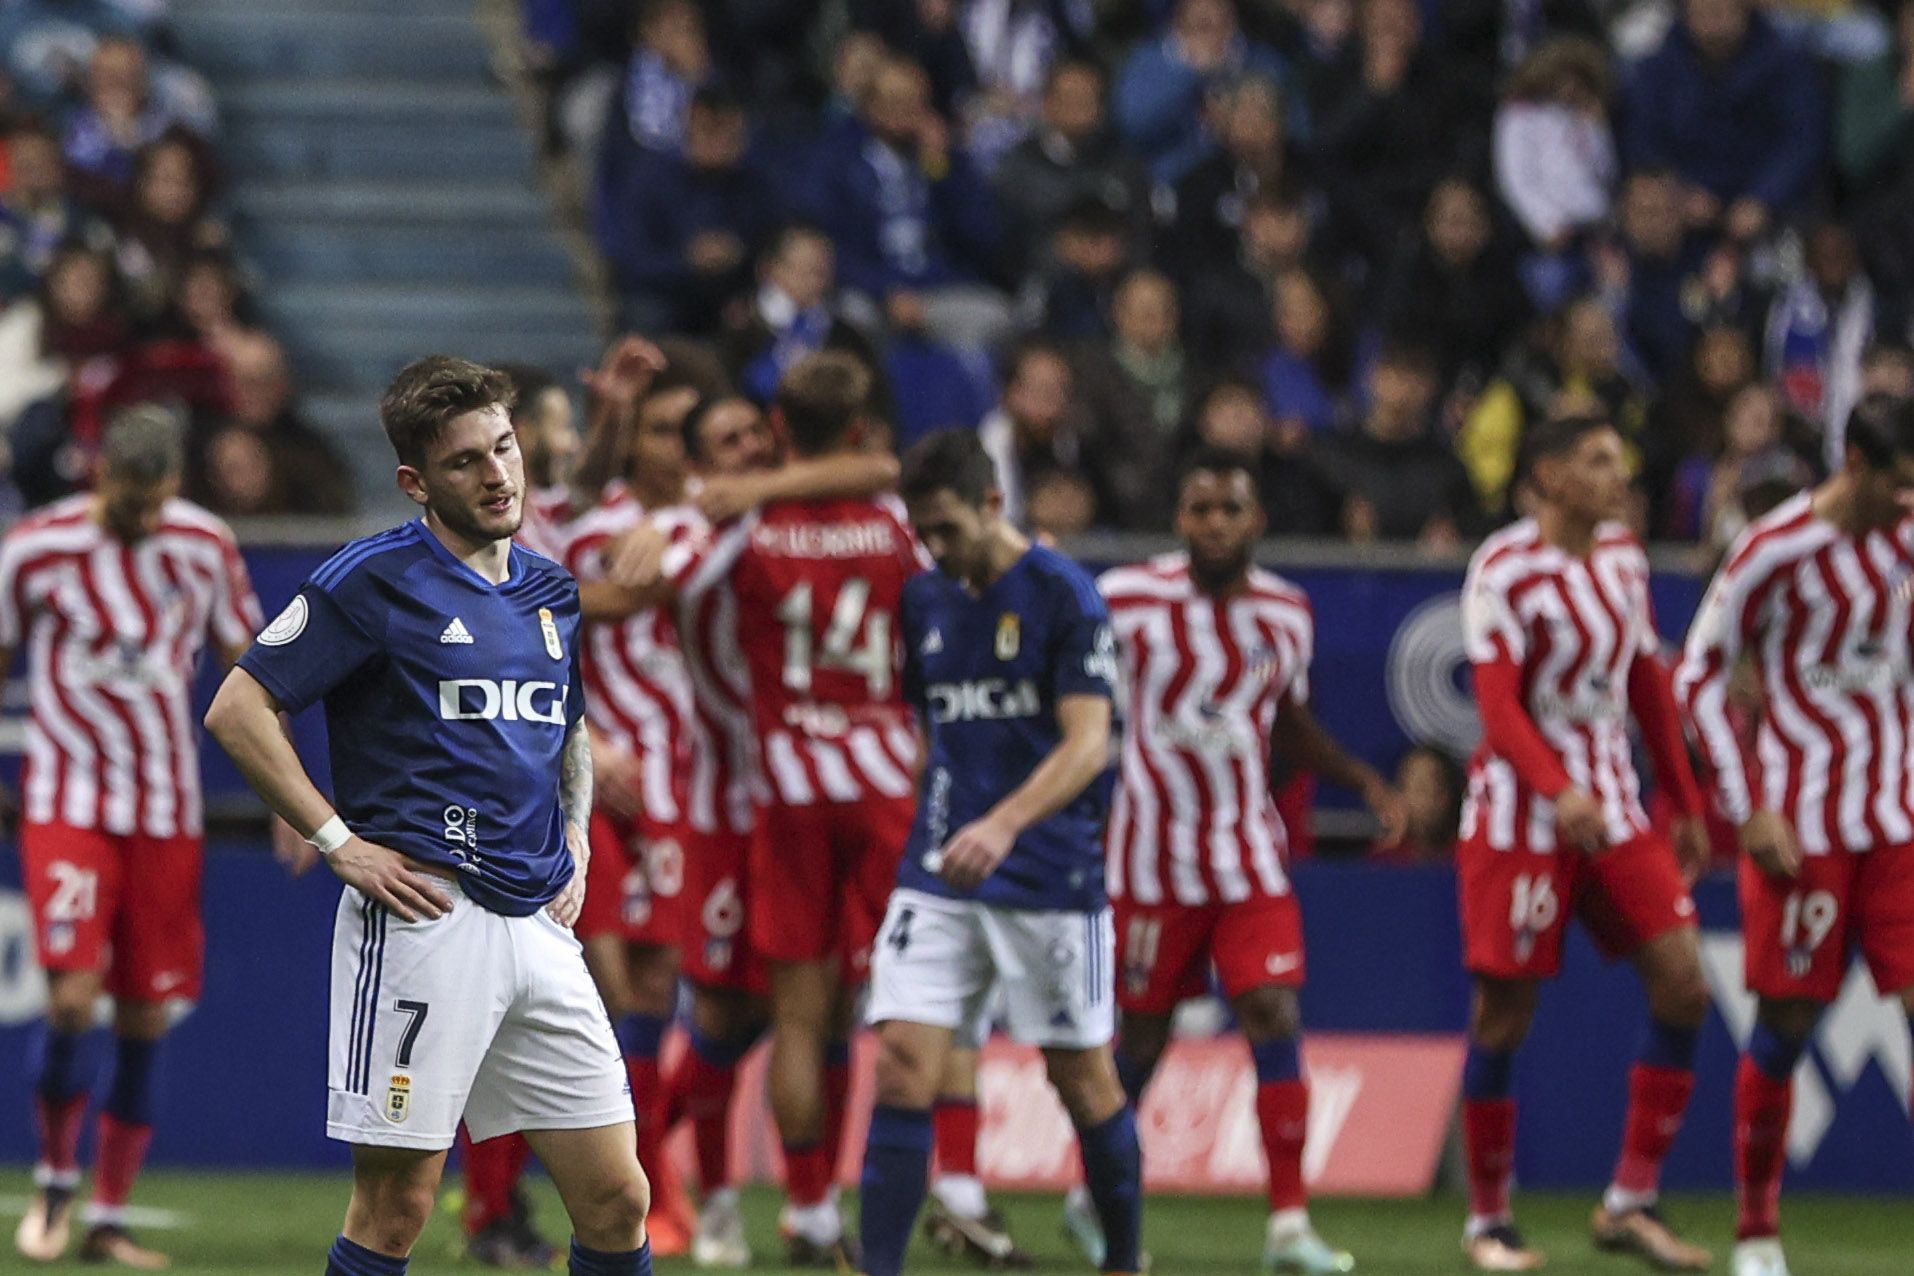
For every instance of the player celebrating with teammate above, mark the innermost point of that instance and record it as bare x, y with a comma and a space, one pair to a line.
463, 775
1561, 635
1214, 656
115, 592
1009, 662
1815, 595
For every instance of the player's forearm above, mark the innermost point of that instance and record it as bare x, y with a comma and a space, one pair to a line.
1653, 701
1065, 771
249, 726
601, 600
847, 475
574, 778
1302, 741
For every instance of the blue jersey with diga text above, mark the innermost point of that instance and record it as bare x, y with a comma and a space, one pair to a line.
448, 699
985, 673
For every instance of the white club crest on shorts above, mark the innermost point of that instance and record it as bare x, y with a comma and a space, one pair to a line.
550, 628
398, 1099
287, 625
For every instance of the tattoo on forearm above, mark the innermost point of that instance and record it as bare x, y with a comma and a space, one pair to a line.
574, 778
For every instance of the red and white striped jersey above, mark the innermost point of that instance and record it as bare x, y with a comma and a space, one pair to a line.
1573, 628
1202, 681
807, 593
638, 695
113, 634
722, 784
548, 513
1825, 618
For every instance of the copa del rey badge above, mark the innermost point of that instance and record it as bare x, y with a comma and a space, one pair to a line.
550, 628
398, 1099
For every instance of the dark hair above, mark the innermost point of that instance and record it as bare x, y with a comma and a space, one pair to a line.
1558, 436
1409, 355
34, 125
700, 412
430, 393
528, 383
1211, 459
718, 100
1026, 350
951, 460
1880, 428
205, 173
821, 398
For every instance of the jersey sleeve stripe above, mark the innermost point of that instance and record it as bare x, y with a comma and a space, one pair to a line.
340, 565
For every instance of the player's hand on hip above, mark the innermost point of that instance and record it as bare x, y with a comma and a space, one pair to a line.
566, 907
1690, 835
1578, 819
292, 850
1385, 802
974, 853
1770, 843
389, 879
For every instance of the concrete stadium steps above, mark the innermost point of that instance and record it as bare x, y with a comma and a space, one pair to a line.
402, 38
299, 250
294, 149
364, 358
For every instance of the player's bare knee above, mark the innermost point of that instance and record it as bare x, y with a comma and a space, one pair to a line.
611, 1216
1144, 1039
652, 973
907, 1074
1086, 1084
1503, 1009
140, 1020
389, 1213
1680, 997
1269, 1013
1790, 1020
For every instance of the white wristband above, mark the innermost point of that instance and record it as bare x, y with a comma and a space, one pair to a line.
330, 836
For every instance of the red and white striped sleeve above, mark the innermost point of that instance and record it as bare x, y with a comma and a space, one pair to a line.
12, 604
1491, 630
1724, 627
236, 615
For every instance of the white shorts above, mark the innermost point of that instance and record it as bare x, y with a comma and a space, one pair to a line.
936, 962
472, 1014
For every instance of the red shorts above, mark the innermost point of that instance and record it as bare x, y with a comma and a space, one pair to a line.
820, 877
1798, 931
1164, 951
634, 881
126, 905
717, 950
1516, 904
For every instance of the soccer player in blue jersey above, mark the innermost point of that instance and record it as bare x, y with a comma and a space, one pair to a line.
447, 659
1009, 661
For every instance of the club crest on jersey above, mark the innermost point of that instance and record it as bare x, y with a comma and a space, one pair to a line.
398, 1099
1009, 636
550, 629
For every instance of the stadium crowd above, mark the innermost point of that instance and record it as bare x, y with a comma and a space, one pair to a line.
1366, 242
118, 283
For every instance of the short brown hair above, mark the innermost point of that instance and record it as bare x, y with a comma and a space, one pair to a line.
820, 398
430, 393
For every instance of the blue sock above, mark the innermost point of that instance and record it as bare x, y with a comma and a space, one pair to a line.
724, 1053
1488, 1074
1668, 1045
347, 1259
639, 1035
1113, 1165
61, 1072
1774, 1054
1279, 1060
1133, 1075
593, 1262
130, 1098
896, 1167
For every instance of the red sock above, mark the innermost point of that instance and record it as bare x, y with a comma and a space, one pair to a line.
807, 1174
1657, 1098
1282, 1109
122, 1147
837, 1093
492, 1169
699, 1091
954, 1136
647, 1101
59, 1125
1488, 1141
1762, 1105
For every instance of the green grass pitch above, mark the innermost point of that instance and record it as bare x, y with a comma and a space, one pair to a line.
281, 1224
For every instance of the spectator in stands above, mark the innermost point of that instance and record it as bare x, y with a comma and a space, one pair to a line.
1555, 158
1486, 42
932, 386
209, 303
1735, 110
1306, 373
1138, 389
1644, 273
1397, 480
1211, 200
1038, 438
914, 226
1874, 142
670, 63
84, 339
1575, 369
792, 315
120, 115
1452, 290
1431, 786
1888, 368
1818, 327
681, 228
166, 220
1389, 130
304, 474
1688, 418
1297, 496
1231, 306
37, 214
1166, 84
1070, 158
1706, 502
1071, 296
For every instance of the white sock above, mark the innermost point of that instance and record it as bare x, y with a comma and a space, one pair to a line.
819, 1224
961, 1194
1480, 1223
1078, 1198
723, 1198
1620, 1200
1288, 1223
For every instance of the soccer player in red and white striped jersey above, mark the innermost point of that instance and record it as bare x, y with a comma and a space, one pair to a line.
1562, 639
1214, 659
114, 592
1819, 596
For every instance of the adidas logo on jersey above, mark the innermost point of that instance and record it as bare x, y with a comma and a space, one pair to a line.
456, 632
